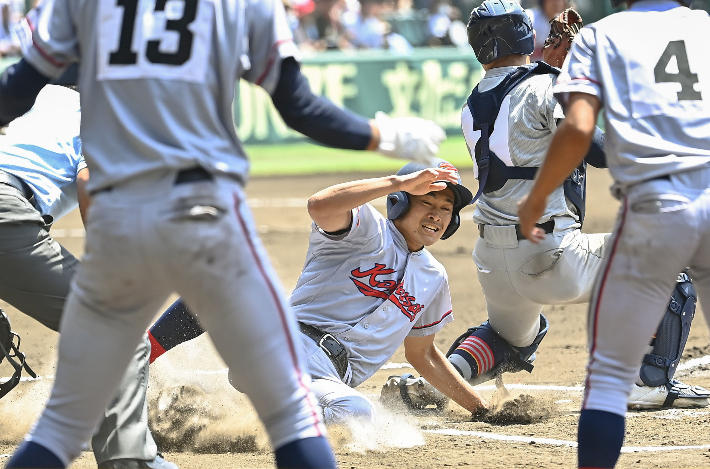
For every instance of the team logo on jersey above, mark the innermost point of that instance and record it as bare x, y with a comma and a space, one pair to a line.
386, 289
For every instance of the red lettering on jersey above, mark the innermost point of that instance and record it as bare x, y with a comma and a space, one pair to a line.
390, 290
379, 269
405, 302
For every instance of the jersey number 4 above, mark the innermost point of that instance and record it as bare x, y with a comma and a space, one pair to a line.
125, 55
685, 77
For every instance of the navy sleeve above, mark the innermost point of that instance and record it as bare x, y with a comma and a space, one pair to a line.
314, 116
596, 156
19, 86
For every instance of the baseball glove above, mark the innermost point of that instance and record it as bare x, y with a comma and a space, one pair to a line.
563, 28
9, 350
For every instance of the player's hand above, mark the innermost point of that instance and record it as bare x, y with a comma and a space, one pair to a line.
530, 209
427, 180
409, 138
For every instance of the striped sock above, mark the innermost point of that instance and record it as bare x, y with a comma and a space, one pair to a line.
479, 353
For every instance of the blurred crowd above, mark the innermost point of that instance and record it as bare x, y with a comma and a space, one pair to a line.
400, 25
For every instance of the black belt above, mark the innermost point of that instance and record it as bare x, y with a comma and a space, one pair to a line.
548, 227
13, 181
195, 174
330, 345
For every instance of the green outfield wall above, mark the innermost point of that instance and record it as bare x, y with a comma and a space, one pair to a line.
429, 83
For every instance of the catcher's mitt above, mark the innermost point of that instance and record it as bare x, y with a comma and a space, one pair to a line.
563, 28
10, 350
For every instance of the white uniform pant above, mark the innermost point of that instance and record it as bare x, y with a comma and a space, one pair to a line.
339, 402
663, 227
145, 240
519, 277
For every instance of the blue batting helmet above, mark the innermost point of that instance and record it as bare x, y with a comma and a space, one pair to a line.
398, 202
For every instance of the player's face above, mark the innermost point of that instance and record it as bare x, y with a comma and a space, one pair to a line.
427, 218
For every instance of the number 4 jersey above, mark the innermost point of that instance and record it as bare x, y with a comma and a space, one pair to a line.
161, 75
649, 67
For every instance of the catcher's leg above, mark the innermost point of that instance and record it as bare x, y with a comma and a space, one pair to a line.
656, 387
480, 354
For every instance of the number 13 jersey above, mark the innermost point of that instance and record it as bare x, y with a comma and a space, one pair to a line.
649, 68
157, 77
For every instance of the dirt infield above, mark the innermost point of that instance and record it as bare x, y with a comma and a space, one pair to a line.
201, 422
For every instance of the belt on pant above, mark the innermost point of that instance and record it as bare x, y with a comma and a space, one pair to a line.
13, 181
195, 174
330, 345
548, 227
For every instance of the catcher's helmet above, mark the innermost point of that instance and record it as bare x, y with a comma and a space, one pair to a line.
398, 202
498, 28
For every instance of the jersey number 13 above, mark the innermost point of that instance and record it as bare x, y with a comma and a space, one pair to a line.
163, 39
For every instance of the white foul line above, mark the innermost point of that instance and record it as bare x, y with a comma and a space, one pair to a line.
551, 441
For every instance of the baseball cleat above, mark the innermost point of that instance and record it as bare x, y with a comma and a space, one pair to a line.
673, 394
157, 463
415, 393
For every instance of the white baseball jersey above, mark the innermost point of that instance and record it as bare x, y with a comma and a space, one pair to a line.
43, 149
655, 88
178, 61
522, 132
367, 289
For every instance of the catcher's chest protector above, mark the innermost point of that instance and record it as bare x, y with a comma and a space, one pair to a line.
493, 173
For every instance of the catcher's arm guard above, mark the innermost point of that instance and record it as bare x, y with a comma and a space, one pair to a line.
10, 350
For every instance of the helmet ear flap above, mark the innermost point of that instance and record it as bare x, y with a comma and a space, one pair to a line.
453, 226
397, 205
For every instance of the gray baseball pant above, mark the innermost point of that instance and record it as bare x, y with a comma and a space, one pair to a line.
35, 273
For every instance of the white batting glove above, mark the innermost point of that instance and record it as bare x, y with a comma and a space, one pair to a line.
409, 138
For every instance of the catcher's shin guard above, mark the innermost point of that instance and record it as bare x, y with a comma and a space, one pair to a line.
660, 365
9, 350
480, 354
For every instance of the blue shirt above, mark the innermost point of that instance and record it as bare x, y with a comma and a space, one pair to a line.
43, 149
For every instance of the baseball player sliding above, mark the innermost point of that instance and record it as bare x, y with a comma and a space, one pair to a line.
168, 210
368, 285
647, 67
508, 122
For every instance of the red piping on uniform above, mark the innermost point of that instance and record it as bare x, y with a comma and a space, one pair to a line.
598, 301
156, 349
49, 58
434, 323
272, 58
282, 313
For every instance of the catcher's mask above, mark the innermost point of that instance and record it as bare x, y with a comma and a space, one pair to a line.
398, 202
498, 28
568, 23
10, 350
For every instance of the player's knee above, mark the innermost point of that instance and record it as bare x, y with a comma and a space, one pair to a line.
349, 408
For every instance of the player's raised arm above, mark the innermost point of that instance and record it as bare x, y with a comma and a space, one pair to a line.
331, 208
315, 117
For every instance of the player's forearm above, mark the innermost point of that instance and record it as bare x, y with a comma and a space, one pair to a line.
19, 86
330, 208
436, 369
318, 118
